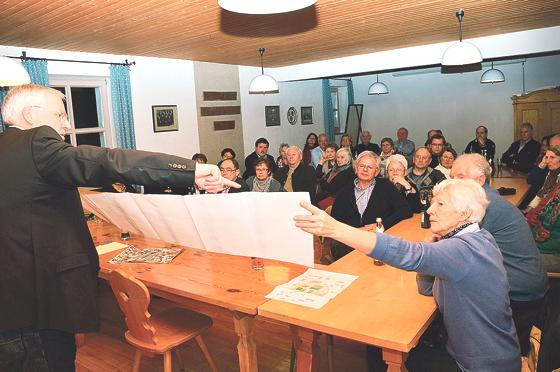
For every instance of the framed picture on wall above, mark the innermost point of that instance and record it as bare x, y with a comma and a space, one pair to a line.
272, 116
306, 115
165, 118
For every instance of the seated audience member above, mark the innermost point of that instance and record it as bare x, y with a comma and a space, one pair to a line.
230, 170
262, 181
200, 158
420, 174
310, 143
227, 153
429, 136
387, 149
550, 162
462, 268
281, 160
337, 177
482, 144
346, 141
317, 152
327, 161
405, 146
359, 203
522, 155
261, 150
446, 162
524, 266
366, 144
396, 169
539, 172
296, 176
437, 145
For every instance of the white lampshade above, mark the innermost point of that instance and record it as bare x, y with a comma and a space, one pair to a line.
461, 53
263, 84
12, 73
377, 88
264, 6
492, 76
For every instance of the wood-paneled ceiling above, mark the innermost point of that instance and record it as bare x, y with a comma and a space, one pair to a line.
200, 30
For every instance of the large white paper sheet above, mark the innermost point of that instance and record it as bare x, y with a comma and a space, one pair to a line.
247, 224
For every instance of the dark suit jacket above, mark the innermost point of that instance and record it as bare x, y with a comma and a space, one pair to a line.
303, 179
250, 161
522, 160
48, 260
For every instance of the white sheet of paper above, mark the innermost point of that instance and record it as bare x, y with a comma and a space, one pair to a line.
109, 247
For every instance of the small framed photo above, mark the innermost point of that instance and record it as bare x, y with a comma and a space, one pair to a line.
306, 115
272, 116
165, 118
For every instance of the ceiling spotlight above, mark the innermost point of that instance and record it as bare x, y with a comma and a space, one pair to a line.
462, 52
263, 84
12, 73
264, 6
377, 88
493, 75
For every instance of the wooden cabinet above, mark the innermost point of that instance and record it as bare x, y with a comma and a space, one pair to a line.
540, 108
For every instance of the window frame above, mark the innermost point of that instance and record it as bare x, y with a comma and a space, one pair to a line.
336, 110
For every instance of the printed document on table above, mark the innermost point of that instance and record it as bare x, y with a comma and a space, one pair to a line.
314, 288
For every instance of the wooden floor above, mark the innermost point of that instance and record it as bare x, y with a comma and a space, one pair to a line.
107, 351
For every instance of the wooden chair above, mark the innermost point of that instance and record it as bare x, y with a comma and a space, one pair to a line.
161, 333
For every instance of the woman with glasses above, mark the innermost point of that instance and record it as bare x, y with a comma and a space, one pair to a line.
262, 181
396, 174
336, 178
361, 202
387, 149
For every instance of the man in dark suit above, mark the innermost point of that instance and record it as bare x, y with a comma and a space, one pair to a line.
297, 176
261, 152
521, 155
49, 265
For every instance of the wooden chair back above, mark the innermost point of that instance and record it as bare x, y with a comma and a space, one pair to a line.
133, 298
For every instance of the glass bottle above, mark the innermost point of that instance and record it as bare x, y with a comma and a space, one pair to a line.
379, 228
424, 216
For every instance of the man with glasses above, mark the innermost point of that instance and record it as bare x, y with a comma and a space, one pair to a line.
229, 169
49, 264
361, 202
522, 155
421, 174
437, 146
297, 176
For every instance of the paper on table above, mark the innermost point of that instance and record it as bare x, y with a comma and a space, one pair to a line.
110, 247
314, 288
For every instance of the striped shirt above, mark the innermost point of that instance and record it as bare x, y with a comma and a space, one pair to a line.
362, 195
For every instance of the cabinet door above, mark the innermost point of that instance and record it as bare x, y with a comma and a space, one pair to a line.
531, 113
553, 117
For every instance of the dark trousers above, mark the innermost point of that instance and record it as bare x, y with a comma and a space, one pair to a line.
526, 314
37, 351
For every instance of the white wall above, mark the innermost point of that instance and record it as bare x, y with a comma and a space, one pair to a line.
296, 94
154, 81
455, 103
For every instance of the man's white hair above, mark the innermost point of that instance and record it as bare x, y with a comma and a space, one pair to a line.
20, 97
466, 196
367, 154
477, 165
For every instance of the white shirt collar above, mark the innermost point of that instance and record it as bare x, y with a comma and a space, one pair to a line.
471, 228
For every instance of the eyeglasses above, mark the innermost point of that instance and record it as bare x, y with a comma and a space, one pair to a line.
227, 170
61, 115
261, 169
367, 167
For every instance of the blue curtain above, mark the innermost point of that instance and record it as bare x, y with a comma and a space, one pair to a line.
121, 99
350, 92
328, 110
39, 74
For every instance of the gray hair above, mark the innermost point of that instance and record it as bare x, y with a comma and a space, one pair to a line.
527, 125
367, 154
294, 147
346, 152
21, 97
282, 145
466, 196
477, 165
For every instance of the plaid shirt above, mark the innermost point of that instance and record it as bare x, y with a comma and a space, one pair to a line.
362, 195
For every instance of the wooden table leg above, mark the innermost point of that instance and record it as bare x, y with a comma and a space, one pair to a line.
307, 349
246, 347
395, 360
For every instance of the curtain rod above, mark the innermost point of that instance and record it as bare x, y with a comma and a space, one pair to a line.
24, 57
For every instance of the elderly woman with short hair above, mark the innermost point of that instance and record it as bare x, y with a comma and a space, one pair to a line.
396, 173
262, 181
336, 178
457, 268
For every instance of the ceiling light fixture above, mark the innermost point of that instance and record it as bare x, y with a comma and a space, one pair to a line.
264, 6
377, 88
462, 52
12, 73
263, 84
493, 75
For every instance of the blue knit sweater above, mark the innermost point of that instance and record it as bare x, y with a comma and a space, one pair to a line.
466, 276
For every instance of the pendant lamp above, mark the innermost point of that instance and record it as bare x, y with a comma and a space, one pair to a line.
377, 88
12, 73
263, 84
264, 6
462, 52
493, 75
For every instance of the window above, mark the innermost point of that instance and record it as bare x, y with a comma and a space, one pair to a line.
334, 100
87, 108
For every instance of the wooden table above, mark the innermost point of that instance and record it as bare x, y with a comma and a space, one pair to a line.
381, 308
222, 280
